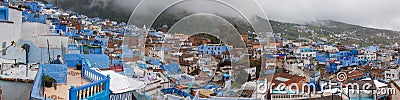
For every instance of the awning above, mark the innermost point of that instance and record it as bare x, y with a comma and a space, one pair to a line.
379, 84
120, 83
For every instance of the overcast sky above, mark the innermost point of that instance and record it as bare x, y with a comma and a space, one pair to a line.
371, 13
383, 14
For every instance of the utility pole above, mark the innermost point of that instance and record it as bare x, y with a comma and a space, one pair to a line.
48, 49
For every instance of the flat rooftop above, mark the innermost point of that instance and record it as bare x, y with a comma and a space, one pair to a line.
19, 72
62, 92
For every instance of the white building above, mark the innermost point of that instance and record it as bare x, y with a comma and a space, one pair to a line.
367, 55
11, 29
392, 73
305, 52
329, 48
33, 34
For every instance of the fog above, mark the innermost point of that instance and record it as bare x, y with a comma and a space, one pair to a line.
384, 14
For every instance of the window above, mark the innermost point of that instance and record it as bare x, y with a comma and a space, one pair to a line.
3, 14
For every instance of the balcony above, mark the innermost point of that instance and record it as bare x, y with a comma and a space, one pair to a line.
72, 84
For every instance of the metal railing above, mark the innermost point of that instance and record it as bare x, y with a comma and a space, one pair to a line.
91, 75
99, 89
4, 67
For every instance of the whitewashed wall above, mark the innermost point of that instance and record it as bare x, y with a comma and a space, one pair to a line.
11, 31
30, 29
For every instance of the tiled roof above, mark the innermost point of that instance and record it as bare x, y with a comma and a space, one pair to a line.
292, 78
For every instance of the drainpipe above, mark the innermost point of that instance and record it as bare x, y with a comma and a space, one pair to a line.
26, 48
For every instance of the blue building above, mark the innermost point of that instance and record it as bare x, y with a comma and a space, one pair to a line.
98, 42
346, 58
33, 6
331, 67
48, 6
60, 28
93, 50
87, 32
33, 17
332, 56
321, 57
212, 49
349, 61
71, 33
305, 52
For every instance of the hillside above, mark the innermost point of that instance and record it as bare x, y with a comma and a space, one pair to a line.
331, 31
334, 31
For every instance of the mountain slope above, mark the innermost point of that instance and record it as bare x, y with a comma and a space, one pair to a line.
345, 33
332, 31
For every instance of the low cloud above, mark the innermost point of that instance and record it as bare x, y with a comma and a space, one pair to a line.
383, 14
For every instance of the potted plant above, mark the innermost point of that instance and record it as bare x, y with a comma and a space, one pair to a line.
49, 82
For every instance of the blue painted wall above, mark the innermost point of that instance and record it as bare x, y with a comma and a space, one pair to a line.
116, 62
96, 51
56, 71
34, 17
331, 67
87, 32
171, 68
94, 60
100, 60
48, 6
71, 60
72, 33
321, 57
33, 6
348, 58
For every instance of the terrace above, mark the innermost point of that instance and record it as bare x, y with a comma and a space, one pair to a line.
72, 84
62, 91
87, 83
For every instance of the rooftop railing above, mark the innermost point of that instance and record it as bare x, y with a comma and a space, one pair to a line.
54, 70
37, 90
99, 89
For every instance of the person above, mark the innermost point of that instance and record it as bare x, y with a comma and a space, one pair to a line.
58, 60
